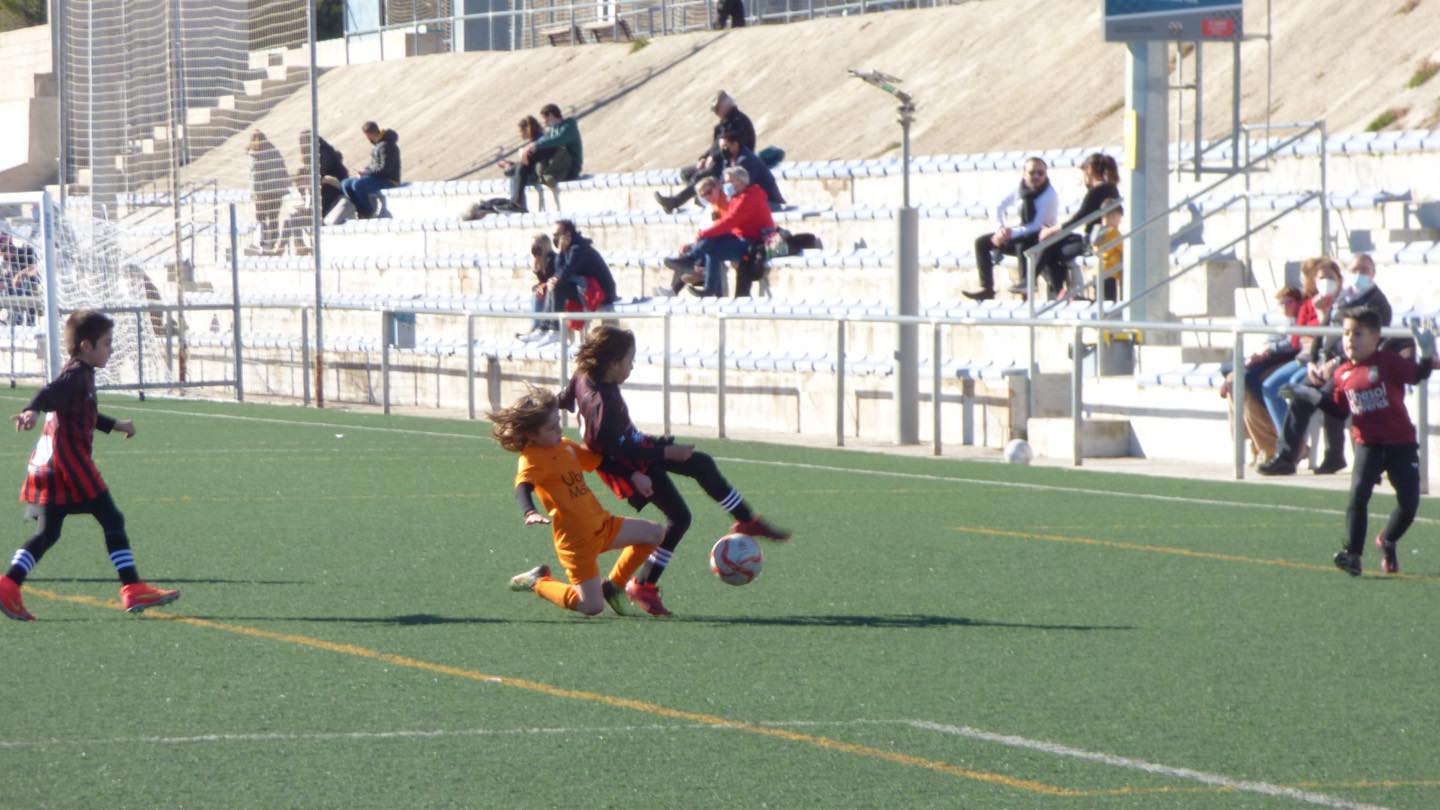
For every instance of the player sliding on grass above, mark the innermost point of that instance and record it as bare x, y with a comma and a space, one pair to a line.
555, 467
62, 478
1370, 388
637, 466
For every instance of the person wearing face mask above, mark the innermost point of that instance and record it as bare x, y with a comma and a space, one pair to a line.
1358, 291
710, 191
1321, 279
746, 219
736, 154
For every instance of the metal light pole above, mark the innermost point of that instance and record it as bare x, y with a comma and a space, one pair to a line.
907, 274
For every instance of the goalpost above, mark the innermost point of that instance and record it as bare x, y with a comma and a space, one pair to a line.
53, 265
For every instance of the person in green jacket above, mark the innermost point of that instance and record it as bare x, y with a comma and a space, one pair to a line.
555, 156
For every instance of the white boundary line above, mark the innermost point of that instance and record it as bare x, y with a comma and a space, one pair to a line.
1214, 779
1144, 496
429, 734
1042, 746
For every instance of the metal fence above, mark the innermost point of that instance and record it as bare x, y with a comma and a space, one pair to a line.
571, 23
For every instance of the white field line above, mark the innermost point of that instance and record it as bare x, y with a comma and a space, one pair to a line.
1213, 779
1144, 496
324, 736
290, 422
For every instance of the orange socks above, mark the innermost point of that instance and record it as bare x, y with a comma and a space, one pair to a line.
630, 560
557, 593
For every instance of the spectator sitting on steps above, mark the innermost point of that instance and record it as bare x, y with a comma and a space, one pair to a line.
737, 155
543, 258
746, 219
577, 263
382, 173
1102, 177
1039, 208
553, 156
711, 162
332, 172
708, 190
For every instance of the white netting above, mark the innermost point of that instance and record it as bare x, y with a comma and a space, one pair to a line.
171, 117
90, 274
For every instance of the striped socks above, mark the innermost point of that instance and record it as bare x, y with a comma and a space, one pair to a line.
736, 506
659, 558
124, 561
21, 565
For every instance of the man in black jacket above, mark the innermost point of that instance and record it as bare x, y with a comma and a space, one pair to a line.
576, 264
1360, 292
382, 173
760, 175
332, 165
711, 162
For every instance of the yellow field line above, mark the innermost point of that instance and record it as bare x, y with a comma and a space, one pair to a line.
1179, 552
591, 697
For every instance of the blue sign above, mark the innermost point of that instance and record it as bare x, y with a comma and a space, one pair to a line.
1184, 20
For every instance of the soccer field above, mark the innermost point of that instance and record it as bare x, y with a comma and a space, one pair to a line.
938, 634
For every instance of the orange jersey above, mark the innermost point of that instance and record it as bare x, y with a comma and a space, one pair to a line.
558, 475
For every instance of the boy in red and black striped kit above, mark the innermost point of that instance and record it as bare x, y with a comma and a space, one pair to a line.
62, 479
1370, 388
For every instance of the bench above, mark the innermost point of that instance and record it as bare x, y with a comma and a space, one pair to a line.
616, 30
558, 35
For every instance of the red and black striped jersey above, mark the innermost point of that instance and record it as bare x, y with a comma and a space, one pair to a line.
608, 431
61, 470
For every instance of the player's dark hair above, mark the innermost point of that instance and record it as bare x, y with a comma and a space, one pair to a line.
552, 110
1364, 316
83, 325
512, 427
606, 346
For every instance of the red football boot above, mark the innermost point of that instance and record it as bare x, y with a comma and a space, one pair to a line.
10, 602
646, 597
758, 526
140, 596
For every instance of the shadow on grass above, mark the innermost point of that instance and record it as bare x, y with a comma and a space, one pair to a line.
178, 581
918, 621
411, 620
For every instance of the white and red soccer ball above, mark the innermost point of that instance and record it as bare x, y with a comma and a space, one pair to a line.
736, 559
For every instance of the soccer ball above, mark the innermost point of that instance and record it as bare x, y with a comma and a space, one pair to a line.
736, 559
1018, 452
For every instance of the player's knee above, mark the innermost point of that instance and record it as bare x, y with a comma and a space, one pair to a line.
589, 609
680, 519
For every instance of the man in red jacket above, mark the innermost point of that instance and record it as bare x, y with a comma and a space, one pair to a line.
746, 219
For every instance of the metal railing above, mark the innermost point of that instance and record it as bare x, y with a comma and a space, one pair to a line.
532, 27
938, 327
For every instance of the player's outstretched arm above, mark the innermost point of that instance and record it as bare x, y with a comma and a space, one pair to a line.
125, 426
25, 420
524, 497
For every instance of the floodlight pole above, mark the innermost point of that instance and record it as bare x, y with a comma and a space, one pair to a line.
907, 273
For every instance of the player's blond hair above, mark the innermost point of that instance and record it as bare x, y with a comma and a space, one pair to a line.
513, 427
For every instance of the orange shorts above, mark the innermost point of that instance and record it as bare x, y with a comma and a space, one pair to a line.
580, 556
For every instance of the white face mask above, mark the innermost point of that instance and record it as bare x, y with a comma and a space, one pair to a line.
729, 189
1328, 287
1358, 283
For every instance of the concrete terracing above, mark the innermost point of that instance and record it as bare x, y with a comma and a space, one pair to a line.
1017, 74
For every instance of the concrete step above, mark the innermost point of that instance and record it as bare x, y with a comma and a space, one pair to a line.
1053, 437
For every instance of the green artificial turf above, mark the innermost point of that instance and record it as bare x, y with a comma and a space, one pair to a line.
351, 642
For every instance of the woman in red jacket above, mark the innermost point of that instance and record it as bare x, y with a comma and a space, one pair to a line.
746, 218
